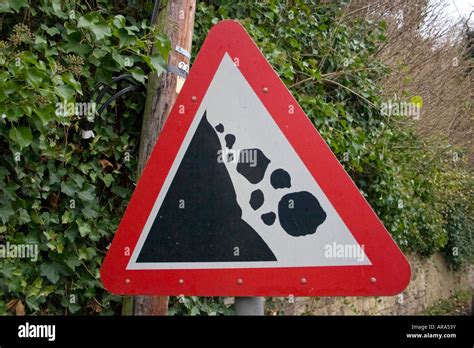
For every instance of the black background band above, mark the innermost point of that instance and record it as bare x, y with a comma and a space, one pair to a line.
156, 331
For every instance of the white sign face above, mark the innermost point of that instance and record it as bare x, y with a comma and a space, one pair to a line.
273, 195
241, 196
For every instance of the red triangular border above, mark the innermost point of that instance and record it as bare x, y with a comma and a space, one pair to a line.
389, 273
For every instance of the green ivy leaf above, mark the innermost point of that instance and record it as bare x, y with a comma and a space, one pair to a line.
119, 59
51, 271
125, 39
72, 262
87, 194
67, 217
65, 92
108, 180
23, 216
84, 228
18, 4
138, 74
45, 113
99, 53
163, 46
71, 81
68, 188
22, 136
156, 62
92, 23
6, 212
119, 21
57, 9
5, 7
33, 77
89, 213
50, 30
87, 253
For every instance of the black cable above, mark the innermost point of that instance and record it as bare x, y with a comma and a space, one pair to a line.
86, 125
108, 88
117, 95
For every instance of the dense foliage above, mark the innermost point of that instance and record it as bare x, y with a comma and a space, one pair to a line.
55, 192
68, 198
327, 62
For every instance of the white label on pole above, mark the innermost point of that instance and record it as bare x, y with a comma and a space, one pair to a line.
179, 84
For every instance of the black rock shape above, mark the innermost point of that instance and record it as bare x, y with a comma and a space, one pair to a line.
280, 179
300, 213
256, 199
200, 219
252, 165
220, 128
268, 218
229, 140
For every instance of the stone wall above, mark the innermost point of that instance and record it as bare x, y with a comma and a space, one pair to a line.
431, 281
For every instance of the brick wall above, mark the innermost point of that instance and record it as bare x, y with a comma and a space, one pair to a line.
431, 281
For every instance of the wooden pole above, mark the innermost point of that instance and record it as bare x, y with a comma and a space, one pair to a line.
176, 19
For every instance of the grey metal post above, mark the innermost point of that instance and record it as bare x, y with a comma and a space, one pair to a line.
249, 305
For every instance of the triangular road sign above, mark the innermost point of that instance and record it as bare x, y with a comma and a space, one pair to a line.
242, 197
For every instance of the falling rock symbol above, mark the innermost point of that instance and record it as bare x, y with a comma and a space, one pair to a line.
300, 213
211, 225
256, 199
280, 179
252, 165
